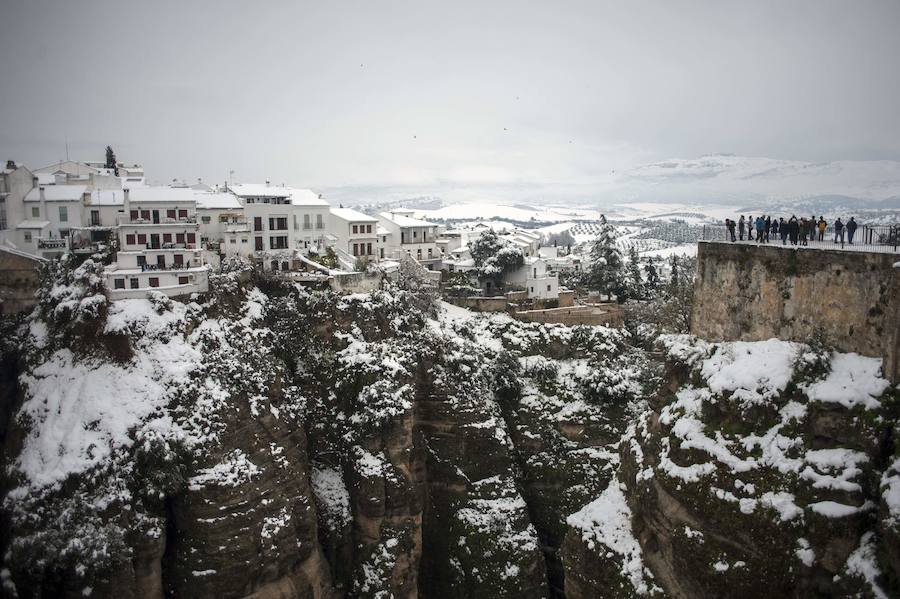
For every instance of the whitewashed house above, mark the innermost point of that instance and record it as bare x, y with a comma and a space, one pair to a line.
159, 245
355, 235
534, 277
408, 236
282, 220
52, 211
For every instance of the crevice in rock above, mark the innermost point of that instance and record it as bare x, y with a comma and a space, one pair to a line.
170, 554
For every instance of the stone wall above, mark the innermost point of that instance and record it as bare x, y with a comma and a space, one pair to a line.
608, 314
751, 292
19, 279
480, 304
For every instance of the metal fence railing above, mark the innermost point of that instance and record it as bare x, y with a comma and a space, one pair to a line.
871, 238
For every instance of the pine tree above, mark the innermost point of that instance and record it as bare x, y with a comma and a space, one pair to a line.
633, 270
606, 265
111, 160
652, 278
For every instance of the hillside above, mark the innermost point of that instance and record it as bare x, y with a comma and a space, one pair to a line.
269, 441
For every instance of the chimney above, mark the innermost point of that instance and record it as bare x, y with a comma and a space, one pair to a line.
267, 181
11, 165
41, 190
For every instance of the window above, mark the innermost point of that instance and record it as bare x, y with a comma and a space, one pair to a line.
232, 240
278, 223
257, 223
307, 222
183, 280
182, 213
154, 281
415, 234
355, 229
129, 239
368, 228
2, 214
35, 212
429, 252
95, 218
167, 238
258, 244
135, 215
142, 261
63, 214
119, 284
145, 214
532, 290
27, 236
355, 249
285, 266
178, 260
142, 238
161, 261
179, 237
548, 287
243, 240
278, 243
134, 283
170, 213
192, 238
368, 249
320, 223
205, 219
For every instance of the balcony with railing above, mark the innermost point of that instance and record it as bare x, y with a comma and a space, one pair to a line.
52, 243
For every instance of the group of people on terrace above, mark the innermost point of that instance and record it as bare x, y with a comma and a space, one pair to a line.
796, 231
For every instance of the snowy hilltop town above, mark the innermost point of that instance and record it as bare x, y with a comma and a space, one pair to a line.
245, 390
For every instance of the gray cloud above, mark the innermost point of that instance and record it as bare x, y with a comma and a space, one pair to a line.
438, 95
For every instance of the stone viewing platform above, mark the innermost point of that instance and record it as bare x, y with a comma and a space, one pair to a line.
751, 292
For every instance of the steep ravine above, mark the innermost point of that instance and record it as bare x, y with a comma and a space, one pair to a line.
270, 442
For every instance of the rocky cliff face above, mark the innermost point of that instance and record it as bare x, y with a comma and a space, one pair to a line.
266, 441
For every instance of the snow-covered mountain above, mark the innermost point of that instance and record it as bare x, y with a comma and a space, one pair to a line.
745, 180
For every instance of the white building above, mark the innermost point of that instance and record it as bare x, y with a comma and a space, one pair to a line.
534, 278
159, 245
410, 236
222, 223
355, 235
52, 212
282, 220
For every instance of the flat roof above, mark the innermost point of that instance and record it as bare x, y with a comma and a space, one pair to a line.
217, 200
402, 220
57, 193
350, 214
257, 190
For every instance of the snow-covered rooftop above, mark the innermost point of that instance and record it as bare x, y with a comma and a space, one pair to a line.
306, 197
401, 220
349, 214
138, 195
217, 201
257, 190
57, 193
106, 197
33, 224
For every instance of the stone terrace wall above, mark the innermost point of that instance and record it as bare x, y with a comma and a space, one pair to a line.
749, 292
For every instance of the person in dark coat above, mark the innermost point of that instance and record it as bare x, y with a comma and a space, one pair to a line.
750, 228
793, 229
768, 228
851, 229
783, 228
839, 231
741, 224
729, 225
804, 231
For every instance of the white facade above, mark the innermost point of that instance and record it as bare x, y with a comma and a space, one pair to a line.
355, 234
535, 278
410, 236
159, 244
282, 220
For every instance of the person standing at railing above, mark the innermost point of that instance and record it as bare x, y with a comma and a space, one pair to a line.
750, 228
783, 228
767, 228
729, 225
775, 228
839, 231
760, 227
851, 229
804, 231
741, 225
794, 229
822, 226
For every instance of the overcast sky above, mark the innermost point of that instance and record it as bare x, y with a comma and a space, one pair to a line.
445, 94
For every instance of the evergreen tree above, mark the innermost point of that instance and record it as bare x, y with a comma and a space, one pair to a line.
605, 270
635, 281
111, 160
652, 278
494, 257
